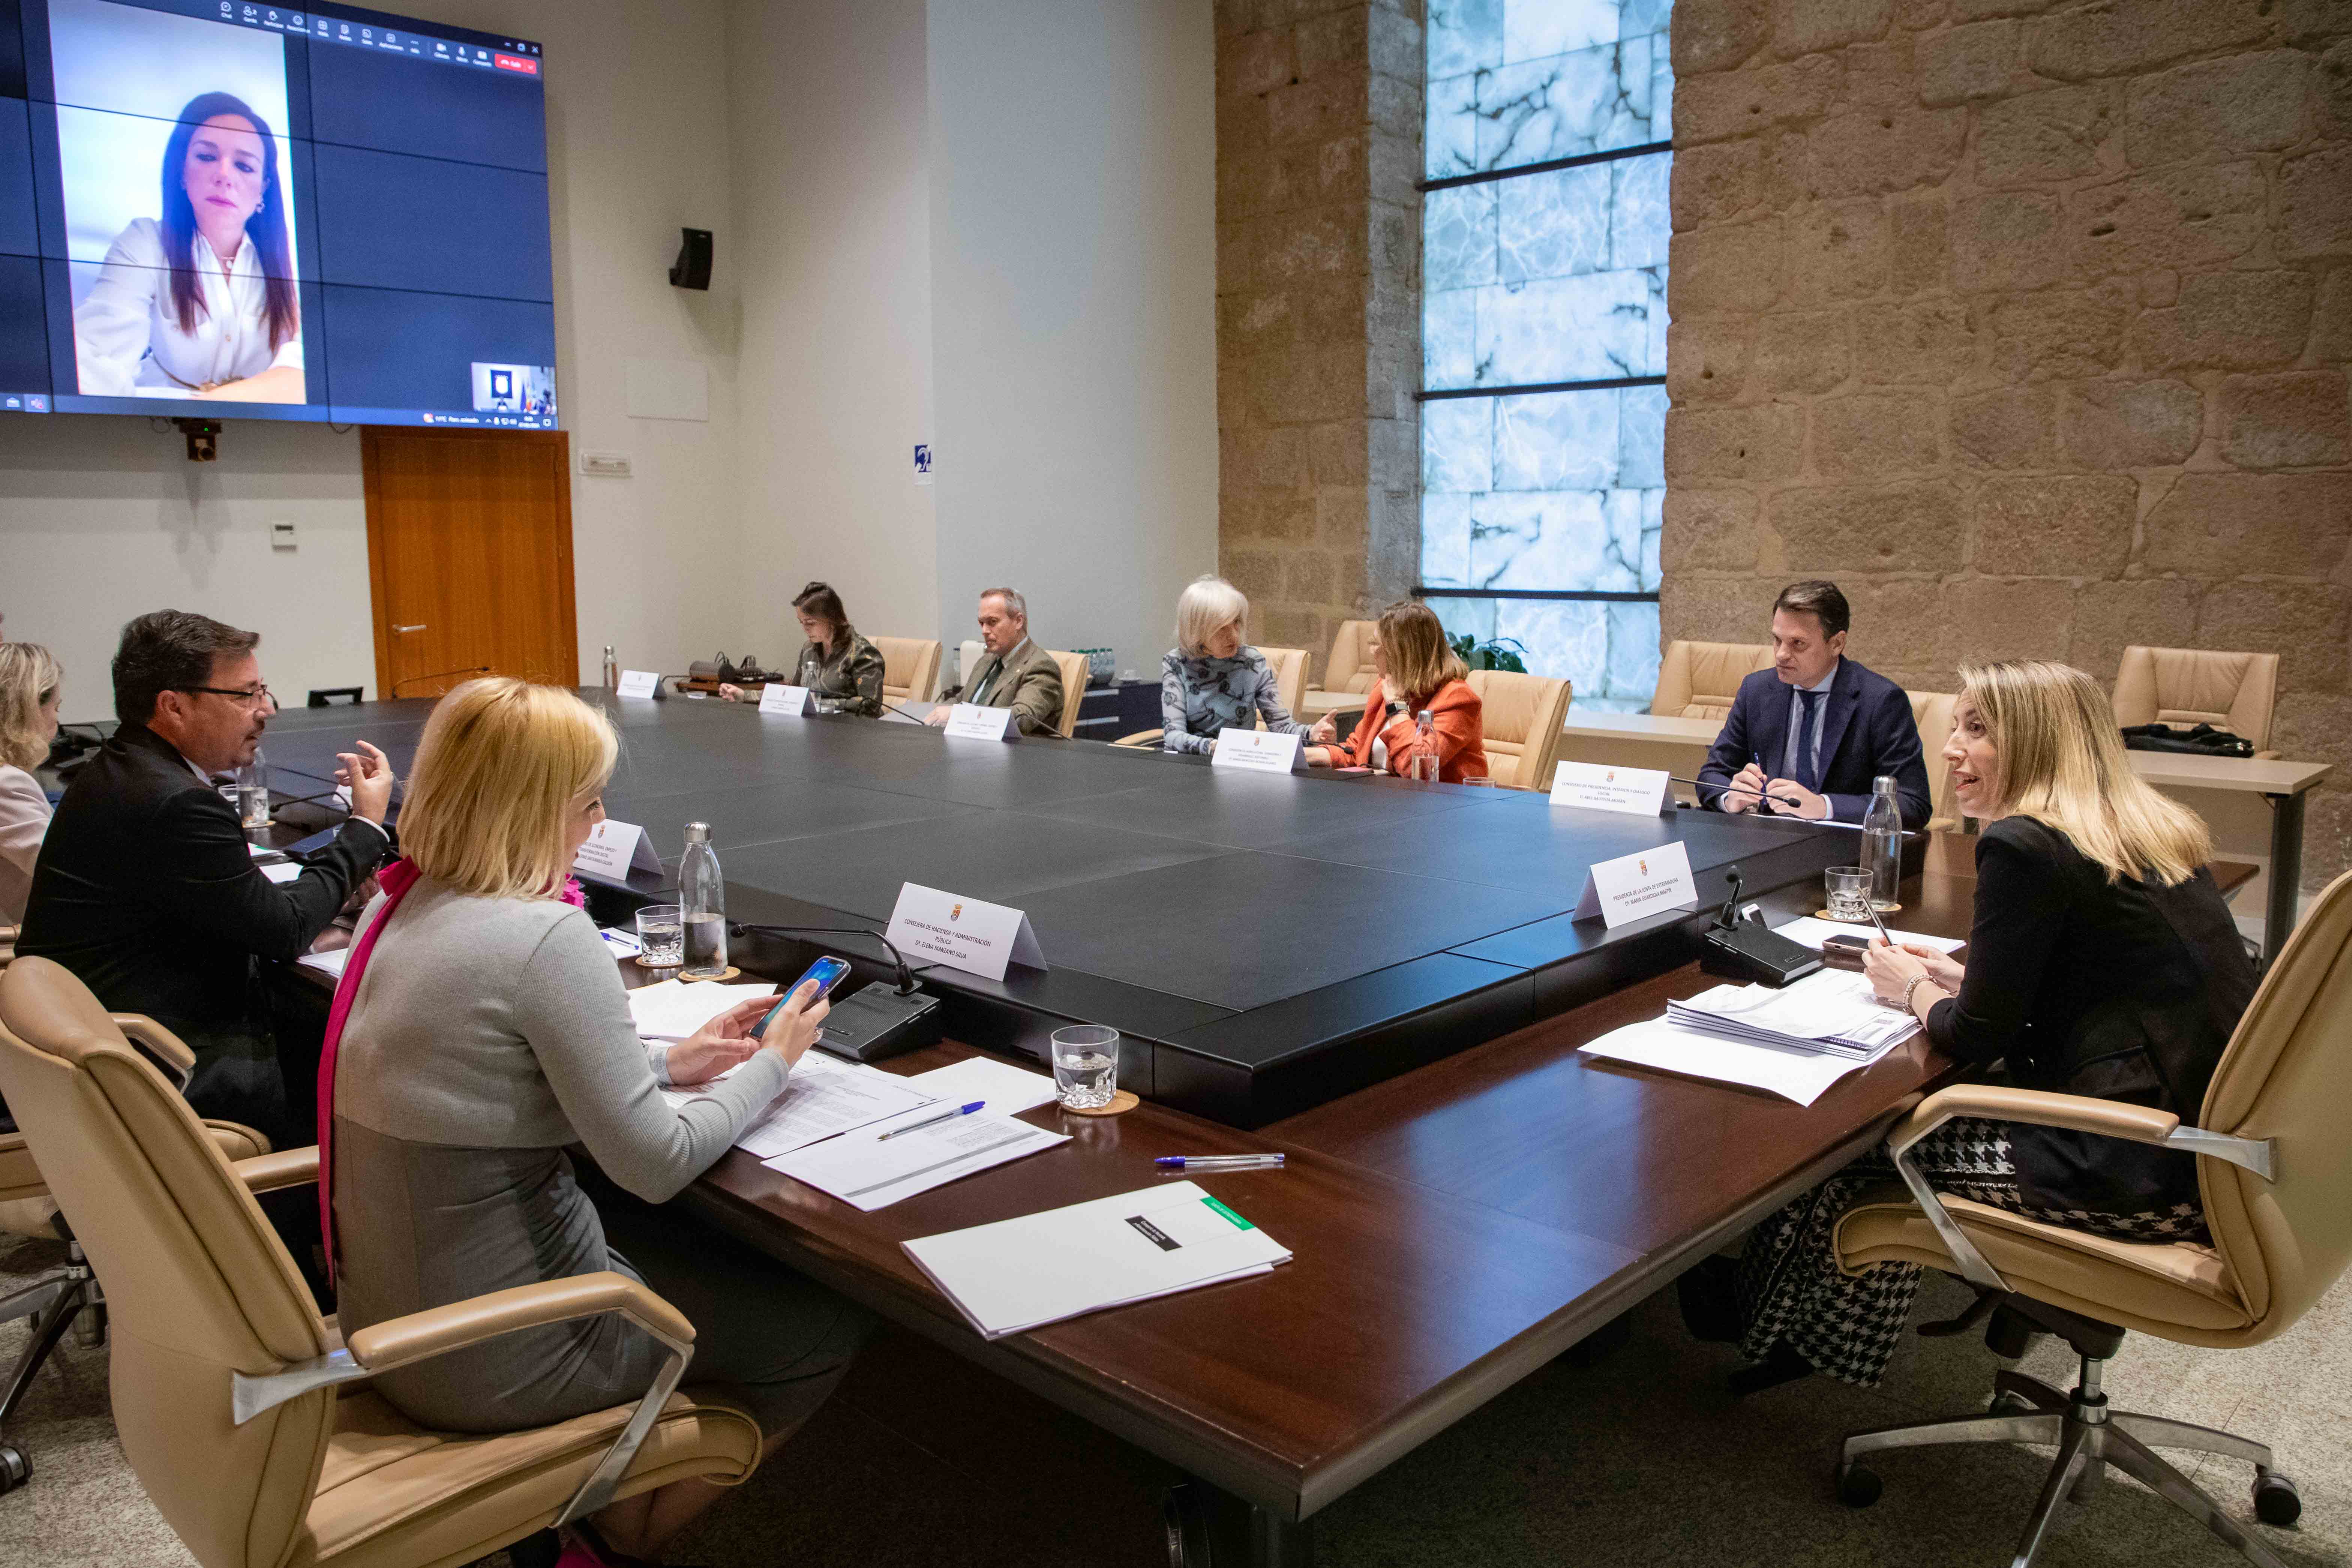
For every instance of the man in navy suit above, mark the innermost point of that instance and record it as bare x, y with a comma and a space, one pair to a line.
1806, 737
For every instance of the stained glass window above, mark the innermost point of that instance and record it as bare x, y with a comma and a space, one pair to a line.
1544, 229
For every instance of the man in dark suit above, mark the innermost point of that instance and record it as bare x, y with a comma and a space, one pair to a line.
1806, 737
145, 887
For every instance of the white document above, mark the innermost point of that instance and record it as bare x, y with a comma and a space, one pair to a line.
1262, 749
962, 933
1632, 886
614, 849
777, 697
672, 1009
281, 871
638, 683
823, 1097
1832, 1011
869, 1172
1814, 933
327, 962
1800, 1075
1637, 792
259, 850
1041, 1268
970, 722
1002, 1087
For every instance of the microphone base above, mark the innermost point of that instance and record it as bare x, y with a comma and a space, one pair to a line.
875, 1023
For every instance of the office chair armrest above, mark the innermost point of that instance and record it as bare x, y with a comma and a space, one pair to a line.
437, 1330
157, 1041
286, 1168
2040, 1108
1140, 738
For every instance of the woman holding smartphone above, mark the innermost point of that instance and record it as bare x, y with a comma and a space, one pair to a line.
200, 302
480, 1029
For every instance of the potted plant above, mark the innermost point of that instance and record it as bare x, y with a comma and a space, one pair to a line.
1495, 653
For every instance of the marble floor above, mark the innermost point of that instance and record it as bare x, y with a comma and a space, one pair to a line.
1640, 1459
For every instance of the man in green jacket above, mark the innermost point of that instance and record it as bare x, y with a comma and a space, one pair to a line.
1014, 673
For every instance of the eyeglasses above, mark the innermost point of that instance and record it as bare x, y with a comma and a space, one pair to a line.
255, 696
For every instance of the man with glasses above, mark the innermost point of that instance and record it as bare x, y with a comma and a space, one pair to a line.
146, 889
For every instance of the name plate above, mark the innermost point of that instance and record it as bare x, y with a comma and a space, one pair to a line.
962, 933
1261, 749
639, 683
970, 721
1632, 885
1637, 792
614, 849
776, 697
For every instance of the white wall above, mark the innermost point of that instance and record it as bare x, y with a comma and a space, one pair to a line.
1073, 312
101, 518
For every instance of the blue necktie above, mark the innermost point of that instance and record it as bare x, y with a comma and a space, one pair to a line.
1809, 766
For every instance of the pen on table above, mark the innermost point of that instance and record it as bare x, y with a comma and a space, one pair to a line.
1763, 797
934, 1120
1218, 1162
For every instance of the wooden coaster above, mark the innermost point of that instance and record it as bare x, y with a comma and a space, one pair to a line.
729, 972
641, 962
1120, 1103
1825, 915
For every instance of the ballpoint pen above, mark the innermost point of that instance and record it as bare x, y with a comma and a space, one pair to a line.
1218, 1162
934, 1120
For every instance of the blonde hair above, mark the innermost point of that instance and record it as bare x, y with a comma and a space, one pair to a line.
29, 677
2060, 762
1208, 606
501, 768
1420, 658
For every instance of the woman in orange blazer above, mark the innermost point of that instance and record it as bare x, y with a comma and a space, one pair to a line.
1419, 672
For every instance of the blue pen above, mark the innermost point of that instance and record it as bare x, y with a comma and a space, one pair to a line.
933, 1121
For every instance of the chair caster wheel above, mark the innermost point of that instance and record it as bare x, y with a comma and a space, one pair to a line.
1858, 1488
2276, 1500
15, 1469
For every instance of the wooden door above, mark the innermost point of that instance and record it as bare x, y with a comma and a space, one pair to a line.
469, 552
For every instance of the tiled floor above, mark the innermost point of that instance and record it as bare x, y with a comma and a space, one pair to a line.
1642, 1460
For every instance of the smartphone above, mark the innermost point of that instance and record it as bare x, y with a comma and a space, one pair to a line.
827, 972
1843, 951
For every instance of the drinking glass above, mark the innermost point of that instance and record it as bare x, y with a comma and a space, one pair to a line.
1849, 890
1086, 1066
661, 935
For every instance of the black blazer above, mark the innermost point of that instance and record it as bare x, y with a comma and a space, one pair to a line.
1867, 731
145, 890
2122, 991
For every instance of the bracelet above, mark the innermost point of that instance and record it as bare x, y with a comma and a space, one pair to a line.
1913, 984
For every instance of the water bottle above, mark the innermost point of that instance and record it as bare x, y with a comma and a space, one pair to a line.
1881, 842
702, 906
611, 669
1423, 766
253, 793
809, 671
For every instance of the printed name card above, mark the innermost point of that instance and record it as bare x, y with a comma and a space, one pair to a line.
1262, 749
777, 697
1638, 791
973, 722
639, 682
1648, 882
962, 933
614, 849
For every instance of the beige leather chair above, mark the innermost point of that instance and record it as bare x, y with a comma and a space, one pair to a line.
7, 944
1289, 668
910, 668
225, 1378
1932, 712
2189, 686
1074, 687
1520, 718
1347, 674
2274, 1169
1698, 680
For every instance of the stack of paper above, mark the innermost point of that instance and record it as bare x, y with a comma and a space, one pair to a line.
1002, 1087
1812, 932
1800, 1076
327, 962
863, 1168
671, 1009
823, 1096
1832, 1011
1041, 1268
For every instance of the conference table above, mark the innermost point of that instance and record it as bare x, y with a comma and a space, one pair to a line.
1678, 745
1456, 1222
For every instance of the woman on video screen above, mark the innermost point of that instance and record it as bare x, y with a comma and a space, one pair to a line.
201, 302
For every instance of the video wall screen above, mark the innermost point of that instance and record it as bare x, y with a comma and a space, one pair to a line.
213, 210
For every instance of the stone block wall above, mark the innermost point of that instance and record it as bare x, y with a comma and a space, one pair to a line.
2026, 321
1319, 311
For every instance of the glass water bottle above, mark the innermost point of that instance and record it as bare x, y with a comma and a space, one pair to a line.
253, 794
1423, 766
702, 906
611, 669
1881, 842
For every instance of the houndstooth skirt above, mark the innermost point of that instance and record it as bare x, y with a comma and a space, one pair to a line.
1793, 1293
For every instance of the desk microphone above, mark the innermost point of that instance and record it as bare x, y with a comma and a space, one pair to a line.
910, 717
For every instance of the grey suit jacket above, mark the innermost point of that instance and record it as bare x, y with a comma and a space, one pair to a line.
1031, 686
